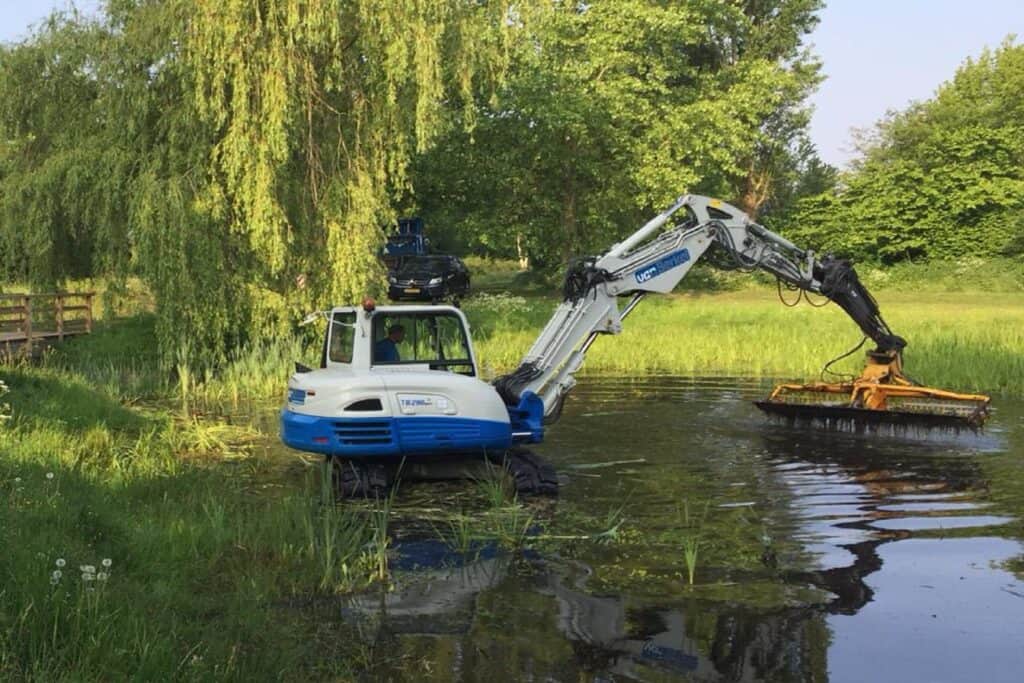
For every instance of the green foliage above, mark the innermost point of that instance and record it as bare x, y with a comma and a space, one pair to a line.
226, 151
613, 109
942, 179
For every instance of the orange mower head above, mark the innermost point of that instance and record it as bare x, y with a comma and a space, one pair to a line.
881, 395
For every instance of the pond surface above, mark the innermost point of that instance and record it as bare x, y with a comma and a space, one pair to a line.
819, 555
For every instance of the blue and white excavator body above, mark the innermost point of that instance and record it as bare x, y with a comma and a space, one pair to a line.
429, 401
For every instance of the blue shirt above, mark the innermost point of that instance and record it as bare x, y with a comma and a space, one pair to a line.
385, 351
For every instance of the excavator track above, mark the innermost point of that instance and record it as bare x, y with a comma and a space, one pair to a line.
529, 473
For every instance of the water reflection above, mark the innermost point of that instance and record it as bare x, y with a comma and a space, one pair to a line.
886, 557
610, 637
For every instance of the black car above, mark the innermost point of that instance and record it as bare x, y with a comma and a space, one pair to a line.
429, 278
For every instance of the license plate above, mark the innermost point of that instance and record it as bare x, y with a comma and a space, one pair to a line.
412, 290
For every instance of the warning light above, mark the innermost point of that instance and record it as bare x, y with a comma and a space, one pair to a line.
369, 304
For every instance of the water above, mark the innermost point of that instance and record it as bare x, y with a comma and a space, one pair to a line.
821, 555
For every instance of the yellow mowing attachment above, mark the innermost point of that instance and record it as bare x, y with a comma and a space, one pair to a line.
881, 392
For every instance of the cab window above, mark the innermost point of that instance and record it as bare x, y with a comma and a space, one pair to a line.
342, 337
436, 339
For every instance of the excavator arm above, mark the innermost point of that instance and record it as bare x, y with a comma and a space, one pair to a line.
655, 259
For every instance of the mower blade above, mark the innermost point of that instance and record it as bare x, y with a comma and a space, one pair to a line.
969, 417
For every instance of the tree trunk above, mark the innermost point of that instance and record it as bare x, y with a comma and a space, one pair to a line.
757, 187
570, 236
521, 255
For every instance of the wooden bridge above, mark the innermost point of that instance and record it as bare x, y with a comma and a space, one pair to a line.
30, 321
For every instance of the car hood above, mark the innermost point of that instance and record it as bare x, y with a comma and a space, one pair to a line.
418, 274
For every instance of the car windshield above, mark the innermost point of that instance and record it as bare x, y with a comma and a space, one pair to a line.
429, 263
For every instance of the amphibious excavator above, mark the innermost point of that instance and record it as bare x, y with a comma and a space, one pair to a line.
401, 383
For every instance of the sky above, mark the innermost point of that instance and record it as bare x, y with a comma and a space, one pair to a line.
878, 54
883, 54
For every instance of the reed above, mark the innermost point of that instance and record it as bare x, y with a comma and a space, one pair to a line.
380, 541
960, 341
459, 533
197, 563
494, 486
691, 547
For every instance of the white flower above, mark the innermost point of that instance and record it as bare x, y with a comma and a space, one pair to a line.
56, 574
17, 480
87, 569
49, 475
107, 562
60, 562
88, 577
54, 581
102, 576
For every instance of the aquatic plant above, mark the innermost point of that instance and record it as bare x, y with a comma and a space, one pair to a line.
379, 539
510, 526
459, 533
494, 486
693, 528
691, 546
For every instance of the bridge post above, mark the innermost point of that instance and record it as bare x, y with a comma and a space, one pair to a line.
27, 305
59, 313
88, 312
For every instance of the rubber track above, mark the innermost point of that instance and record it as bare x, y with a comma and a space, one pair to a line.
356, 480
530, 473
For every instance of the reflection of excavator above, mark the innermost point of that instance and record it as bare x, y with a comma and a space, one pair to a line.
402, 381
609, 635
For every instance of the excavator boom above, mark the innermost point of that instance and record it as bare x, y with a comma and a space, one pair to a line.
655, 259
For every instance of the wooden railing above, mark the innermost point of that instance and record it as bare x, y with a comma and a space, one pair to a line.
27, 318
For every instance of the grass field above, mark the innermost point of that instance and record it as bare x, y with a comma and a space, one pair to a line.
966, 341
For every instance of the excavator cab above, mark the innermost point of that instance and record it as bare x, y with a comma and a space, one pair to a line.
399, 338
437, 339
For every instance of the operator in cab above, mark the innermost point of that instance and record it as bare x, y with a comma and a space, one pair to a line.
386, 349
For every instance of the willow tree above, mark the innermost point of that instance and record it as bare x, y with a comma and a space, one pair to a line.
246, 152
316, 109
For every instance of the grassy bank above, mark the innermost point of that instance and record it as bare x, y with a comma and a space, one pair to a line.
141, 545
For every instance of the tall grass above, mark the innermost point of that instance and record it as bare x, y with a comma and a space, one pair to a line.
200, 561
970, 342
121, 359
